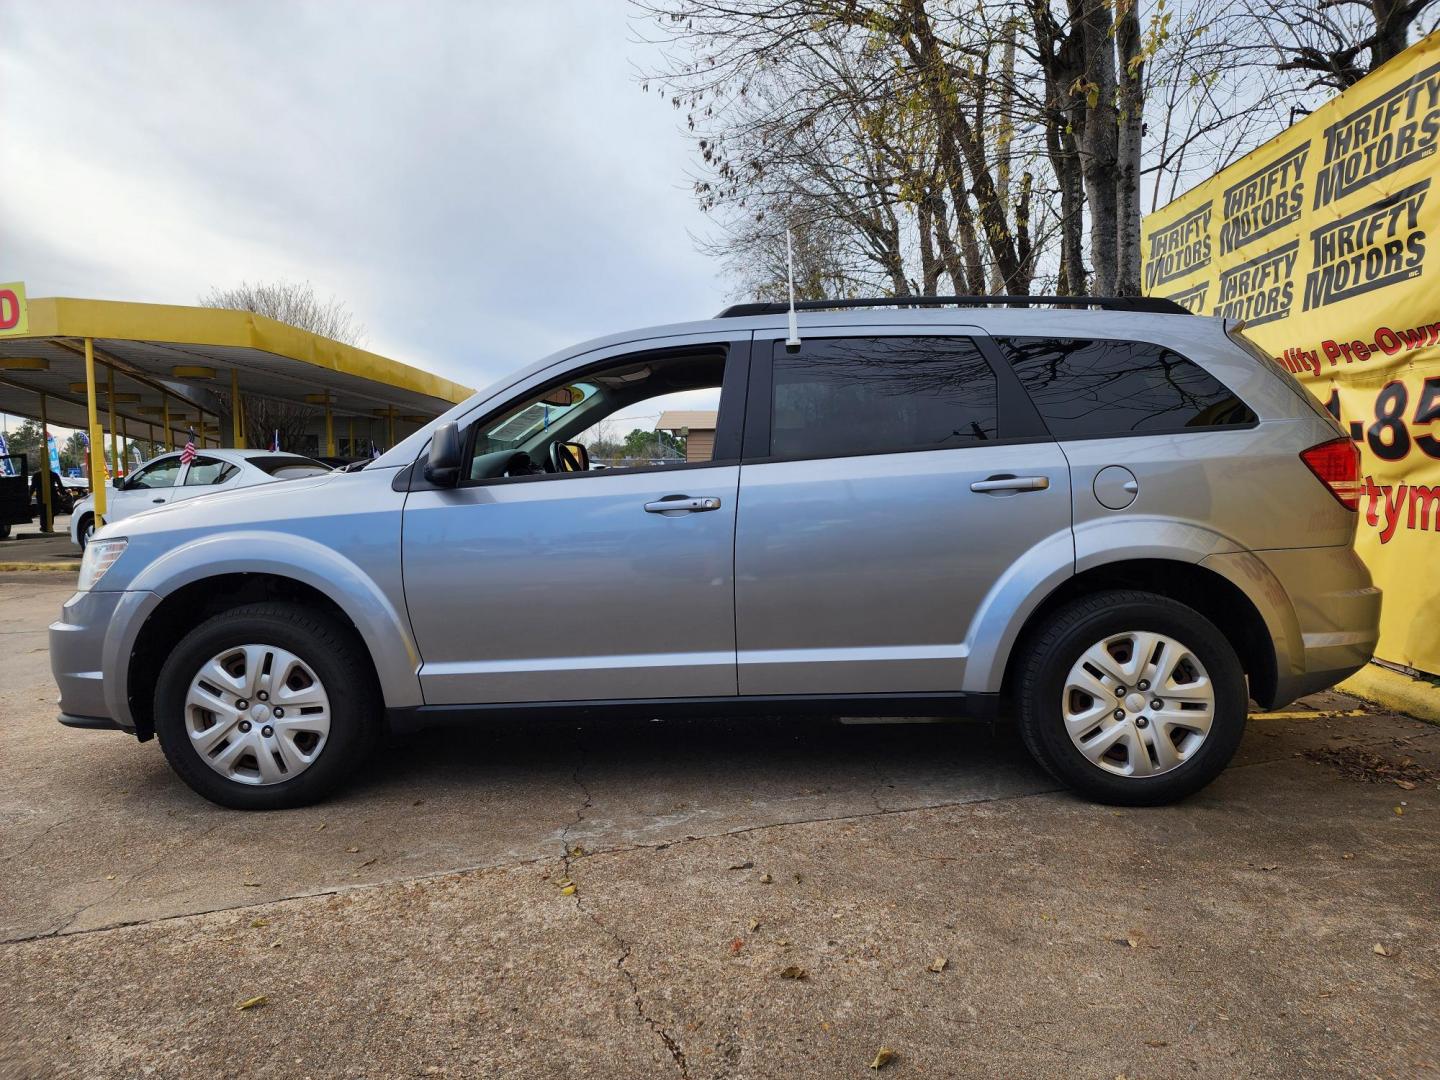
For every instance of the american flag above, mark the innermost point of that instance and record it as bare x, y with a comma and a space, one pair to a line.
188, 454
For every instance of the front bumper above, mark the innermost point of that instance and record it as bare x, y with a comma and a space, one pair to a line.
89, 649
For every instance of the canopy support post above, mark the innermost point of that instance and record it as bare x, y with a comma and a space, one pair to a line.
237, 421
115, 463
97, 437
329, 429
47, 511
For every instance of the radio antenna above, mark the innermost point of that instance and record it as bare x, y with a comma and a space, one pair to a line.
793, 341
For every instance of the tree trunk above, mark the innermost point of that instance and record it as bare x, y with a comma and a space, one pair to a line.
958, 139
1094, 94
1130, 120
1064, 159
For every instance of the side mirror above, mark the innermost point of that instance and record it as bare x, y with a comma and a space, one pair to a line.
118, 483
442, 464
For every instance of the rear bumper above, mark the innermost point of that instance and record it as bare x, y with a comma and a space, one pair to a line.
1321, 607
1337, 609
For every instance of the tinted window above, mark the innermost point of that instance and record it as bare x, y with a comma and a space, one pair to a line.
206, 470
158, 474
1087, 388
841, 396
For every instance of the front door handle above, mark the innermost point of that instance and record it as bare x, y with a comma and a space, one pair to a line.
157, 500
995, 484
682, 504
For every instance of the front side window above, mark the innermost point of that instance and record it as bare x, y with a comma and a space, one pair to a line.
645, 410
205, 471
1085, 389
158, 474
843, 396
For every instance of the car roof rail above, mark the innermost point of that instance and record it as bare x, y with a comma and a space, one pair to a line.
1153, 304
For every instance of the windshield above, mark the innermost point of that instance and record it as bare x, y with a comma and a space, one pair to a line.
290, 466
538, 413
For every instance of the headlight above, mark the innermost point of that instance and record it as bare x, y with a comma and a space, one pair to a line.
100, 555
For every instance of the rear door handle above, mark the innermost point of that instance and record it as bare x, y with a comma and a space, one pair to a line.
683, 504
157, 500
1011, 483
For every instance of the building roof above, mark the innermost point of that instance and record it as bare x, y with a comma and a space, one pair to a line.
159, 351
694, 419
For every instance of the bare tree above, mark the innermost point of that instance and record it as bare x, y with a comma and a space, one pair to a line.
1333, 44
292, 302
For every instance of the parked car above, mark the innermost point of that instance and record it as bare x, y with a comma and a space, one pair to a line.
1113, 524
166, 479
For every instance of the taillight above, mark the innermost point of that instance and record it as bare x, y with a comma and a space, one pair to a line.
1337, 464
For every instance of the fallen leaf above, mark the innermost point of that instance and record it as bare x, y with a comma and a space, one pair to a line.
938, 964
256, 924
1156, 1042
1382, 950
1408, 785
251, 884
1269, 866
736, 945
797, 879
766, 879
253, 1003
562, 881
1399, 811
368, 862
883, 1057
568, 890
1348, 855
793, 972
754, 925
1134, 943
322, 824
351, 850
746, 865
576, 851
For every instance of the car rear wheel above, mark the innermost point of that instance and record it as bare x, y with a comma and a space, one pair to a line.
266, 706
1131, 698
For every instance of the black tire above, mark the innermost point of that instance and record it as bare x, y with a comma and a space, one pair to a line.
82, 527
338, 660
1045, 664
4, 532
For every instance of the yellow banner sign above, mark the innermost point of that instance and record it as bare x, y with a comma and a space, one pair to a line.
1323, 241
14, 313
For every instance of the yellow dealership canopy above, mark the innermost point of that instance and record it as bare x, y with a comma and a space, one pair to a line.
156, 358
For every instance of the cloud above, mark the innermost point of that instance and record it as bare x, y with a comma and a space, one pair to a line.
481, 183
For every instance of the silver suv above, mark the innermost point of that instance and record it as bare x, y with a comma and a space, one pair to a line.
1114, 524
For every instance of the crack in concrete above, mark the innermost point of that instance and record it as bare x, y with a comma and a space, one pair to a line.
474, 868
567, 858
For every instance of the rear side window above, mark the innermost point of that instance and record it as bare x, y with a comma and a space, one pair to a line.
843, 396
1085, 388
205, 471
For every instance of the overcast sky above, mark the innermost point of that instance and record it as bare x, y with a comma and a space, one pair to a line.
480, 182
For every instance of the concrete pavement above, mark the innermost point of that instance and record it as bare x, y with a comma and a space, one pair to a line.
420, 923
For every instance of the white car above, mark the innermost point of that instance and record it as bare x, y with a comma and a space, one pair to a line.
165, 479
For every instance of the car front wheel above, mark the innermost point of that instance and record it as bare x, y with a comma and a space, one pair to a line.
1131, 698
266, 706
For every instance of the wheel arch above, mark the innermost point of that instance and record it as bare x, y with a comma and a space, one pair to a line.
1213, 594
195, 581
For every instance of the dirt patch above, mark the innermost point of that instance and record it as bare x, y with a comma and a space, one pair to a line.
1353, 763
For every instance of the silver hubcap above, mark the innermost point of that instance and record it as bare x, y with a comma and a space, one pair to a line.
1138, 704
257, 714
